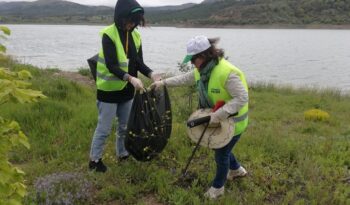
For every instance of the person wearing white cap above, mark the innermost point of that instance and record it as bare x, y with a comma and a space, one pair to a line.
217, 80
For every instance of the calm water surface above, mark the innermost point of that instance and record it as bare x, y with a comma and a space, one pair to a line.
287, 56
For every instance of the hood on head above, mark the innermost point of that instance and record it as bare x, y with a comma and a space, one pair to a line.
125, 9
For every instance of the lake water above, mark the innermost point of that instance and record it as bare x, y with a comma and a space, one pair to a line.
287, 56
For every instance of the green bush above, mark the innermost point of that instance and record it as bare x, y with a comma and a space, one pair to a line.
13, 88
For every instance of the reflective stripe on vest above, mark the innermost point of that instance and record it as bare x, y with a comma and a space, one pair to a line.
105, 80
240, 118
217, 91
102, 60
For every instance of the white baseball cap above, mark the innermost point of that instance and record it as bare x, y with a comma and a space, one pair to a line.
196, 45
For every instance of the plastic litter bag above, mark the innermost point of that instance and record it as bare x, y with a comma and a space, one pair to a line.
149, 125
93, 65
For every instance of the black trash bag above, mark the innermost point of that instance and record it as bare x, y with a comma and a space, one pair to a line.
149, 125
93, 65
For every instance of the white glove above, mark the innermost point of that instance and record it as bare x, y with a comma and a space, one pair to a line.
214, 120
137, 83
157, 84
216, 117
156, 76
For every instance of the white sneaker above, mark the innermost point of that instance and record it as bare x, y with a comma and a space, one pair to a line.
240, 172
214, 193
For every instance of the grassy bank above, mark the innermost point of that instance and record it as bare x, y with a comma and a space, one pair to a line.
290, 160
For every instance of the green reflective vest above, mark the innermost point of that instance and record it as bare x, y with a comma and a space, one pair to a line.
217, 91
105, 80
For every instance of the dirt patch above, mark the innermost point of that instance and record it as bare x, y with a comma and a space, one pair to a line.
147, 200
151, 200
185, 181
346, 181
76, 77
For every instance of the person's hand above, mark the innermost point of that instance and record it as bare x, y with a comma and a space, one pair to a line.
157, 84
216, 117
214, 120
137, 83
156, 76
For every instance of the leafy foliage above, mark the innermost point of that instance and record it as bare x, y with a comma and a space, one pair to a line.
6, 32
13, 88
316, 115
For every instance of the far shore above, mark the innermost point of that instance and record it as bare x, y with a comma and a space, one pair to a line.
231, 26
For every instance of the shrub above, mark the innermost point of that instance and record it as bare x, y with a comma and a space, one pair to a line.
13, 88
316, 115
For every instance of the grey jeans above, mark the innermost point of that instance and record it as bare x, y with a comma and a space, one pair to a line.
107, 112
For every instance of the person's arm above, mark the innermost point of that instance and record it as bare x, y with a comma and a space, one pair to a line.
236, 89
111, 60
180, 80
142, 67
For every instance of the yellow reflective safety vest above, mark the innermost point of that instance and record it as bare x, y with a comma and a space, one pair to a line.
105, 80
217, 90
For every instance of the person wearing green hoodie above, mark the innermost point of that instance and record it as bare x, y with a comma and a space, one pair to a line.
119, 61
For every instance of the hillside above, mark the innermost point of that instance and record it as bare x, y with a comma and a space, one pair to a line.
46, 8
258, 12
53, 11
209, 13
59, 11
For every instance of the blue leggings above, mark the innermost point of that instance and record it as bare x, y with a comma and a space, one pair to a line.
225, 160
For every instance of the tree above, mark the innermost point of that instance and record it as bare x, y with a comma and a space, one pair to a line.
13, 88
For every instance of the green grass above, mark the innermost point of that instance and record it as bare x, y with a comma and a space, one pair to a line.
290, 160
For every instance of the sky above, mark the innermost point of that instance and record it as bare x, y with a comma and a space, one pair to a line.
142, 2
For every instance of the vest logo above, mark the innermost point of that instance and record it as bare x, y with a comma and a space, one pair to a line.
215, 90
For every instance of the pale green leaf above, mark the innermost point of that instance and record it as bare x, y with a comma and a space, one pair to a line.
21, 84
19, 171
6, 173
6, 88
4, 96
23, 140
7, 74
14, 202
4, 191
6, 30
14, 139
14, 125
3, 37
24, 75
27, 95
4, 178
2, 48
6, 128
21, 189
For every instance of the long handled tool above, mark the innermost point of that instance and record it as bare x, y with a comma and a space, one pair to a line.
191, 124
196, 122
